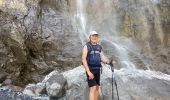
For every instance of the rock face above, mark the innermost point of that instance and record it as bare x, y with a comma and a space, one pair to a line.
132, 85
144, 21
38, 36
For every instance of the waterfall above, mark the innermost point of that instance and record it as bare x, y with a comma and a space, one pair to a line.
84, 25
80, 18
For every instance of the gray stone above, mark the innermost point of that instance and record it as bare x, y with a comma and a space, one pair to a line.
56, 86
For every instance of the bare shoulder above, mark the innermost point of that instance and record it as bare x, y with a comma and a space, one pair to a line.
85, 50
85, 47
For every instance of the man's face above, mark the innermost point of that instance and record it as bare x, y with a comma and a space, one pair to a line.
94, 38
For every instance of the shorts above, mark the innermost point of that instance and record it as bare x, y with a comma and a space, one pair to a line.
96, 80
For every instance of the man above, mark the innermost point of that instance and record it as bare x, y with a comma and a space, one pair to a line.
92, 57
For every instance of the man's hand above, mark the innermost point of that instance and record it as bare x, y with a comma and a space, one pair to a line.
91, 76
109, 62
112, 62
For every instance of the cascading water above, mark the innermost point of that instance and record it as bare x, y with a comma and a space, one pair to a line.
80, 20
83, 27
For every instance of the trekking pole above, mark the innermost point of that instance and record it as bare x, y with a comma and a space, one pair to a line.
113, 79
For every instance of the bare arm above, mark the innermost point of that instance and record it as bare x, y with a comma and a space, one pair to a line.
103, 58
84, 61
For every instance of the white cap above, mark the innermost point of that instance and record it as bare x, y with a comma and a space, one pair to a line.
93, 33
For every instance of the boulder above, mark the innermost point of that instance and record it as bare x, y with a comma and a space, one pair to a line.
56, 86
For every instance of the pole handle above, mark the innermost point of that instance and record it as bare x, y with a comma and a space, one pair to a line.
112, 65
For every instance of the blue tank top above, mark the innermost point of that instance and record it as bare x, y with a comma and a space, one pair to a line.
93, 55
